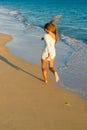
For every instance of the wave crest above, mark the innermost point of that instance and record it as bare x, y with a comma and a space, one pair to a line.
14, 12
18, 16
74, 43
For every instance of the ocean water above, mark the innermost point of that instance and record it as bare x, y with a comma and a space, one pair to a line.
24, 20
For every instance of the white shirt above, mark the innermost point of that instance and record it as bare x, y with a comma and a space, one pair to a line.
49, 47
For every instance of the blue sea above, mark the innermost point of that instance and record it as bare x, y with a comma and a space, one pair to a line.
24, 20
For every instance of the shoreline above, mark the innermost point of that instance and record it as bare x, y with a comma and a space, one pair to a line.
28, 103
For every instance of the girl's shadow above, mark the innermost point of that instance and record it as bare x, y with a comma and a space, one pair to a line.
18, 68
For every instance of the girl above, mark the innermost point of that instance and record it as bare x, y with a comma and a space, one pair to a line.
48, 54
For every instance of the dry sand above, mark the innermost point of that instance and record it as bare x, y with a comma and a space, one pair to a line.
27, 103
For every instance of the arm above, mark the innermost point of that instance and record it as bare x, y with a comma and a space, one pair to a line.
47, 40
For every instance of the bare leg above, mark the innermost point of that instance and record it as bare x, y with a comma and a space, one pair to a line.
43, 67
51, 68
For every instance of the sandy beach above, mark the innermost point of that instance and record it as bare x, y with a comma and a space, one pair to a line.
27, 103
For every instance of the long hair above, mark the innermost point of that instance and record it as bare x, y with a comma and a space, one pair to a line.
57, 17
52, 27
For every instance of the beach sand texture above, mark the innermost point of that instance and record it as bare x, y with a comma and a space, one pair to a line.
27, 103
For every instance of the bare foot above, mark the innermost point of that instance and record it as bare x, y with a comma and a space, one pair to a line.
56, 77
46, 81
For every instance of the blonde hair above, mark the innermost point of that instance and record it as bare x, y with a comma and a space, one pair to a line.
52, 27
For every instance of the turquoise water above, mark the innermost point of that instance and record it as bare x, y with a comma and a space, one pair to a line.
74, 14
